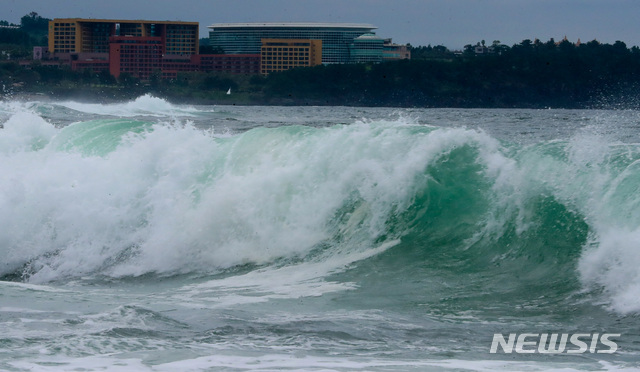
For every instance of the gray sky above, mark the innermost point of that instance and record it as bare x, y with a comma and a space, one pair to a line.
453, 23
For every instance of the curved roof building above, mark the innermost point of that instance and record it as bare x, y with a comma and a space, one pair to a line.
246, 38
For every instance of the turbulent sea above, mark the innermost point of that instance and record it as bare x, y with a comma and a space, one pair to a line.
147, 236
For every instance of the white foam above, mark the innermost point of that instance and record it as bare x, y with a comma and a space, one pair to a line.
306, 279
31, 287
146, 105
611, 262
599, 180
174, 199
94, 363
278, 362
25, 131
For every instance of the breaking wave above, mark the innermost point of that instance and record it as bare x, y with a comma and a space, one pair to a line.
122, 198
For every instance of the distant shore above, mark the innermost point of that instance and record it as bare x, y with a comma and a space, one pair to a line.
530, 75
244, 99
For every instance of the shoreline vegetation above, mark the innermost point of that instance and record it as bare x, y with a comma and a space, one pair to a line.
531, 74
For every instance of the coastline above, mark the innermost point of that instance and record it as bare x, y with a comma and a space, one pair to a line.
243, 99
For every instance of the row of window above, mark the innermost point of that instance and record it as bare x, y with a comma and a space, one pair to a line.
139, 60
134, 67
227, 63
267, 58
270, 68
140, 55
148, 43
367, 47
291, 34
180, 44
283, 63
184, 33
125, 45
285, 54
253, 66
225, 58
181, 27
285, 49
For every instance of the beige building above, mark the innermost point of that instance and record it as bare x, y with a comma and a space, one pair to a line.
393, 51
284, 54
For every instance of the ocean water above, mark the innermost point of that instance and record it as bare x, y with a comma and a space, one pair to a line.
148, 236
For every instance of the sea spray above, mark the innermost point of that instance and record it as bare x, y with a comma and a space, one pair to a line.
262, 195
146, 105
217, 236
120, 197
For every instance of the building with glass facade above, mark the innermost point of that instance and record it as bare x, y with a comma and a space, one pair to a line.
246, 38
366, 48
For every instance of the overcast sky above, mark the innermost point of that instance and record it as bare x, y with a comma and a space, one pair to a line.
453, 23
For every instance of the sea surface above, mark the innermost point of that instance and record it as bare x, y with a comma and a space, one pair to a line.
148, 236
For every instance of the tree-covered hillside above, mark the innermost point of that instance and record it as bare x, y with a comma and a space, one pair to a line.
529, 74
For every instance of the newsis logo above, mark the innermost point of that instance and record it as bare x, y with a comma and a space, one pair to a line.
555, 343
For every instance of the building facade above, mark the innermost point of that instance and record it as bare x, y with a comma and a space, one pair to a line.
284, 54
246, 38
366, 48
248, 64
138, 48
394, 52
230, 63
138, 56
79, 35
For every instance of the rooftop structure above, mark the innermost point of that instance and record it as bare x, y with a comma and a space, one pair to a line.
246, 38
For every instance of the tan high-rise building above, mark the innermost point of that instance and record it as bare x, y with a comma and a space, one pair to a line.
78, 35
284, 54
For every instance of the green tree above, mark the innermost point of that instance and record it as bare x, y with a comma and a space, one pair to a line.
34, 24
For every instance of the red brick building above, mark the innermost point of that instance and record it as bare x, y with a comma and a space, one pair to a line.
231, 63
138, 56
